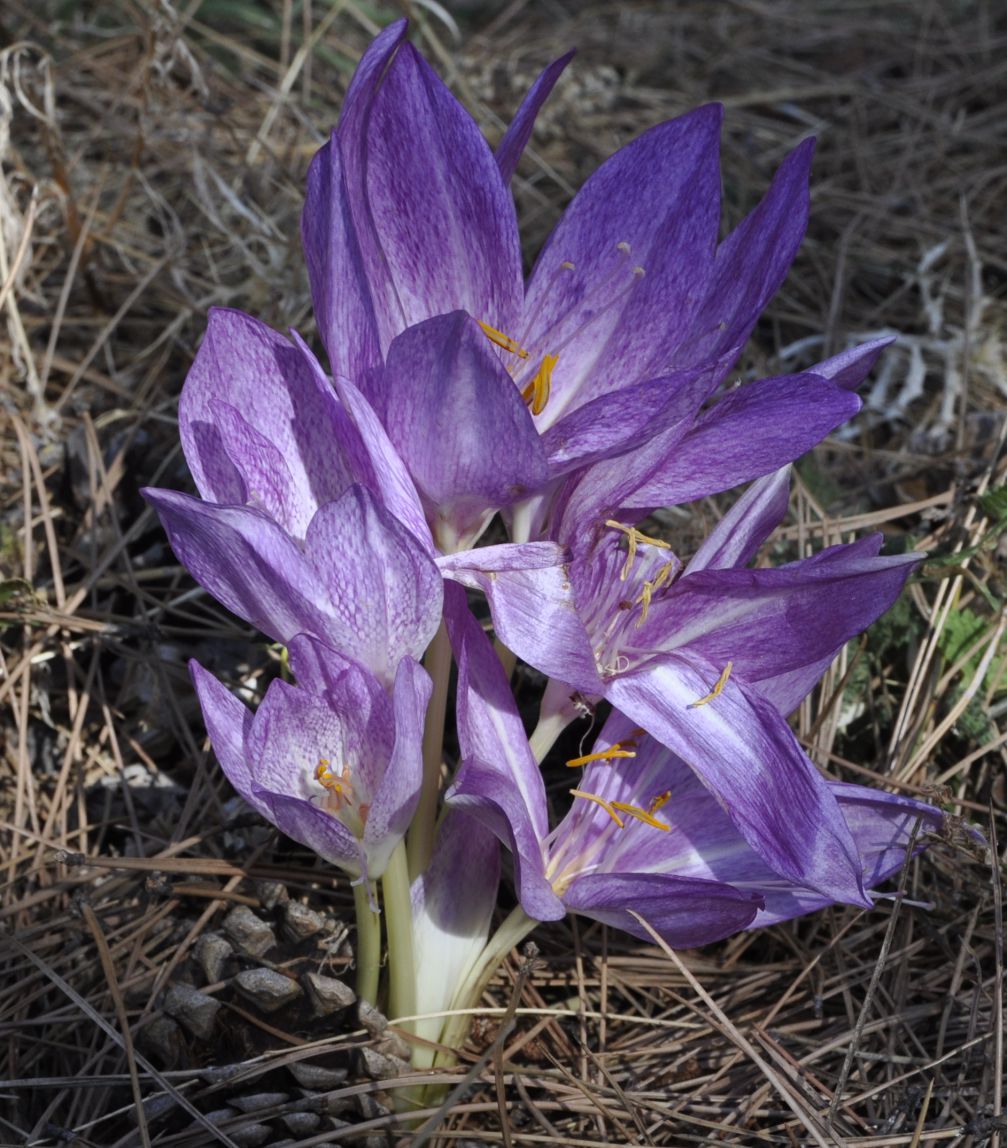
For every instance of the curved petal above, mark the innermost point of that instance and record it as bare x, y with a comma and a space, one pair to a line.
616, 284
737, 537
849, 368
228, 722
517, 135
747, 755
458, 421
684, 911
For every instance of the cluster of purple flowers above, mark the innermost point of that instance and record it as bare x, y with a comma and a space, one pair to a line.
341, 512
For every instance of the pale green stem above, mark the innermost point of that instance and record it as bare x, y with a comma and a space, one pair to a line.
398, 909
420, 838
368, 944
512, 932
544, 736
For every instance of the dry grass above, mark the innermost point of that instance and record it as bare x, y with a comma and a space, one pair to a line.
152, 165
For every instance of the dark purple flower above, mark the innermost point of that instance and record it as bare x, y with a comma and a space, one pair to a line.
645, 833
335, 761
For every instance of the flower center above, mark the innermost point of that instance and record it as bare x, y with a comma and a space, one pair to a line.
339, 799
536, 392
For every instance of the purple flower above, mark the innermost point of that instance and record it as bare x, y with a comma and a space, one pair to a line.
709, 659
630, 320
334, 762
644, 833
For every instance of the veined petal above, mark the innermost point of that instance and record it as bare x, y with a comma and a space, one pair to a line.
737, 537
247, 562
684, 911
751, 264
384, 591
769, 622
458, 421
849, 368
747, 755
451, 917
517, 135
255, 371
748, 433
429, 204
489, 726
228, 722
616, 284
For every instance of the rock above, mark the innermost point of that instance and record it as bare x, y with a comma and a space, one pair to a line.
259, 1100
267, 989
162, 1039
371, 1019
271, 893
391, 1044
302, 1123
378, 1066
213, 951
317, 1077
251, 935
300, 922
195, 1010
250, 1135
327, 995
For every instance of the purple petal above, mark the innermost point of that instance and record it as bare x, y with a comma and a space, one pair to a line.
747, 755
684, 911
433, 216
458, 421
751, 264
228, 722
737, 537
640, 236
255, 371
516, 138
535, 617
849, 368
384, 591
769, 622
752, 431
246, 562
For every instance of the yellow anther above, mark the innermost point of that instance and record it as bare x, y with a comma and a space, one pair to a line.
337, 784
658, 800
647, 593
607, 806
536, 393
717, 689
566, 265
634, 538
643, 815
624, 247
616, 750
502, 340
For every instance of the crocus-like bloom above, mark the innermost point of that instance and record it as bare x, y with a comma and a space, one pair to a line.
308, 520
710, 659
631, 319
335, 761
644, 835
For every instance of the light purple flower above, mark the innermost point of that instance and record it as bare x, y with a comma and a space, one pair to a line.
710, 660
644, 833
630, 320
335, 762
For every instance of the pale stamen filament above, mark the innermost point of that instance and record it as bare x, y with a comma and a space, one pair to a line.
717, 689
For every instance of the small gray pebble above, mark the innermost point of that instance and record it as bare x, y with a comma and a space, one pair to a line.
327, 994
252, 935
315, 1076
378, 1066
371, 1019
193, 1009
250, 1135
259, 1100
271, 893
266, 988
300, 922
391, 1044
302, 1123
371, 1109
213, 951
163, 1040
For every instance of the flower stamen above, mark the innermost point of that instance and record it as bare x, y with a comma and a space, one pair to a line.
536, 393
606, 805
644, 815
616, 750
502, 340
717, 689
634, 537
337, 785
